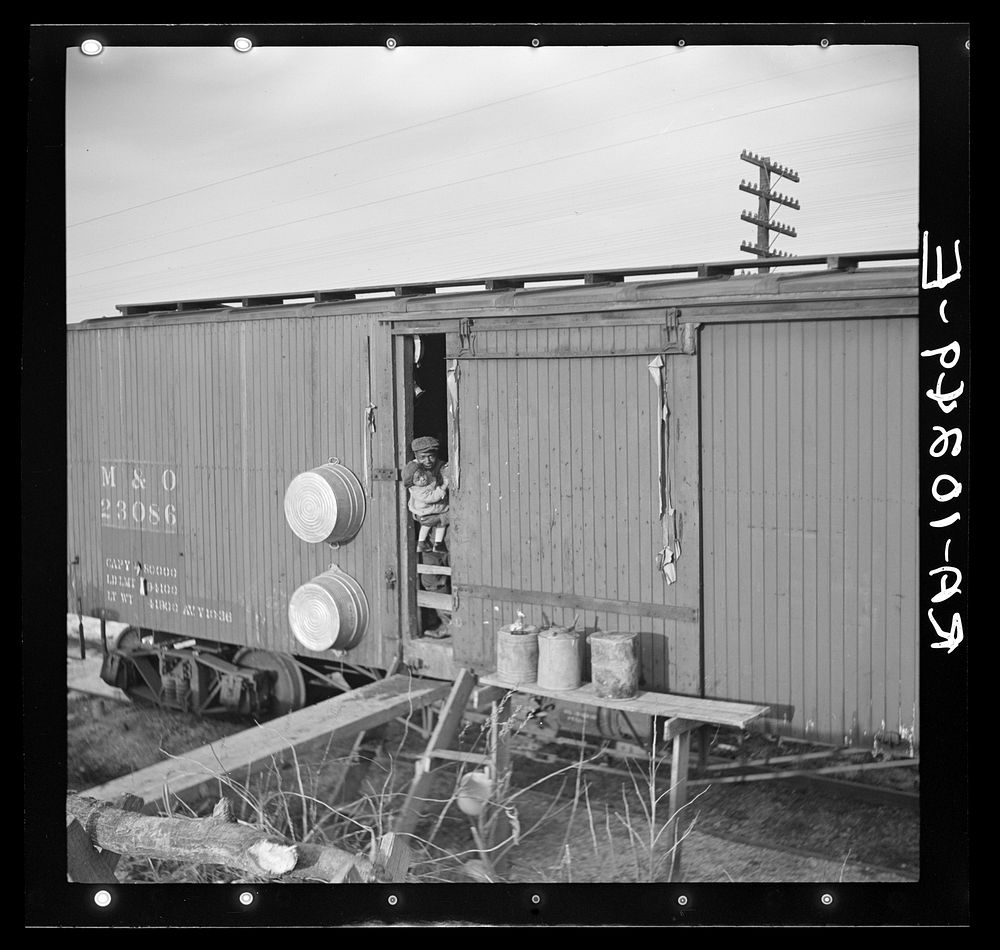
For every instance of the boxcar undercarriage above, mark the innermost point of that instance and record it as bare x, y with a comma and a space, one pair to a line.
209, 678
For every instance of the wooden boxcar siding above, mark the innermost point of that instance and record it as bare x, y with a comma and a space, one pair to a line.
559, 489
96, 427
809, 466
237, 408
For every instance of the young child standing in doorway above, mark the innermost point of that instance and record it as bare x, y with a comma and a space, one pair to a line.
427, 480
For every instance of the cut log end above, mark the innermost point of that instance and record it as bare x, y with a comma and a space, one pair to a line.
274, 858
392, 863
223, 811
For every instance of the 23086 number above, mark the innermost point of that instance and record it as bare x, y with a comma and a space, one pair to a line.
138, 513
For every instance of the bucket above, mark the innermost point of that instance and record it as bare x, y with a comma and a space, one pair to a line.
559, 658
325, 504
329, 613
614, 665
517, 654
473, 793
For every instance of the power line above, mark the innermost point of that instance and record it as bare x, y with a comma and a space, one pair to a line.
512, 144
539, 206
372, 138
538, 243
506, 171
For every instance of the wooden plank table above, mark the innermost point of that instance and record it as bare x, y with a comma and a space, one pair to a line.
683, 714
645, 702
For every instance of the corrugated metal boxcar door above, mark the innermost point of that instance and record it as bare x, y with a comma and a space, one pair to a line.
569, 441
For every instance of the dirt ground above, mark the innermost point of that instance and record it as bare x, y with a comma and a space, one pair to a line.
575, 825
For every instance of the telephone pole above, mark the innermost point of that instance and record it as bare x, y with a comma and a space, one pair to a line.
763, 216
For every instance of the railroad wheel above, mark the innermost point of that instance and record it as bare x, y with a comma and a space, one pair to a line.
129, 639
289, 689
138, 679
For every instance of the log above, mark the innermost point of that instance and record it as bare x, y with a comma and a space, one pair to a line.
331, 865
83, 863
126, 802
182, 839
216, 840
224, 811
393, 860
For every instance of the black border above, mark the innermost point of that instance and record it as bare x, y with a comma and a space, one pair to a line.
941, 897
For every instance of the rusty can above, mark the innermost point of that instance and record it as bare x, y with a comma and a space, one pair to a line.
559, 658
614, 665
517, 654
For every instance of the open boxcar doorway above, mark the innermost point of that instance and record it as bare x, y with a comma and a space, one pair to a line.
424, 414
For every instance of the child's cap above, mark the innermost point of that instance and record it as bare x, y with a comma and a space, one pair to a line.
424, 443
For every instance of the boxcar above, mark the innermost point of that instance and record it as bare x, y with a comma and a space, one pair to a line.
725, 464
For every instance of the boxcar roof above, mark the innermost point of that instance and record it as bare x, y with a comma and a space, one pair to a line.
709, 287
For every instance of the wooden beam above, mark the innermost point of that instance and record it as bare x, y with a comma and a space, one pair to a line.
878, 794
409, 613
755, 775
675, 727
199, 772
444, 732
443, 311
483, 697
434, 600
459, 755
564, 353
499, 743
678, 799
433, 569
781, 307
599, 604
518, 280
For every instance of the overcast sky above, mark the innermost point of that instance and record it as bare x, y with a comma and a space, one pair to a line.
202, 172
